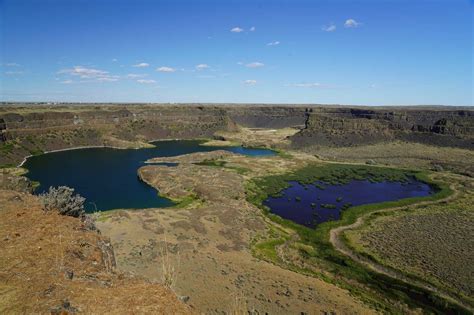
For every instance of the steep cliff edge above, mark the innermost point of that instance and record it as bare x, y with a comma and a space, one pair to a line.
33, 129
358, 126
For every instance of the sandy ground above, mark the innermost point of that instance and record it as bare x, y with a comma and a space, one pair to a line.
209, 242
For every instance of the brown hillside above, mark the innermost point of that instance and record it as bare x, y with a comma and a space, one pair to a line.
53, 264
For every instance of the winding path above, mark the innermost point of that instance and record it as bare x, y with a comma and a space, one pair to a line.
339, 245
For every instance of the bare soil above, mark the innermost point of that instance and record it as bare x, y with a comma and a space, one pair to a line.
210, 241
52, 264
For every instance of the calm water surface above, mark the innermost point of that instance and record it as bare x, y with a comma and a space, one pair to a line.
107, 177
310, 205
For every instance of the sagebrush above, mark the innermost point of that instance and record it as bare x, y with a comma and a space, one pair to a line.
63, 200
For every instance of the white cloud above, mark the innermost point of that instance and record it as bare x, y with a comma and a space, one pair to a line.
11, 64
66, 82
329, 28
273, 43
143, 81
254, 65
252, 29
206, 76
202, 66
13, 72
165, 69
114, 60
351, 23
90, 73
307, 85
240, 63
108, 79
237, 30
250, 82
83, 72
141, 65
135, 76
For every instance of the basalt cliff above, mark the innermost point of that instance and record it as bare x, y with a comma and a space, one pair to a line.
27, 129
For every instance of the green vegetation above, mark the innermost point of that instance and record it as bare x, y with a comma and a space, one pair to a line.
328, 206
369, 285
318, 185
36, 151
267, 249
217, 163
6, 148
283, 154
432, 243
186, 201
220, 163
345, 206
8, 165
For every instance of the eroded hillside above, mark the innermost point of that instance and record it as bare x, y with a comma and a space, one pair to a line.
33, 129
53, 264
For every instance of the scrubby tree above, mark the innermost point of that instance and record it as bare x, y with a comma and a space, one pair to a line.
63, 200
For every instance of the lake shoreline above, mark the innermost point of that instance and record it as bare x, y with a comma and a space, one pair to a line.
98, 147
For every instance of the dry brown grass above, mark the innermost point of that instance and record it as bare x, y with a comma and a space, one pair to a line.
238, 305
274, 138
432, 242
169, 266
40, 253
402, 154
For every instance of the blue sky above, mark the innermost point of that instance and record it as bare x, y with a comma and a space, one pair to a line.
338, 52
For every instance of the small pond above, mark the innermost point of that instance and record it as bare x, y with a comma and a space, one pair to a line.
107, 177
310, 205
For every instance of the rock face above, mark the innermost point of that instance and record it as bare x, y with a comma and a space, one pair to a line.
150, 122
357, 126
33, 129
265, 116
3, 128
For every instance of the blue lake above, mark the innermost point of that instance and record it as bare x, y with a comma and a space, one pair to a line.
310, 205
107, 177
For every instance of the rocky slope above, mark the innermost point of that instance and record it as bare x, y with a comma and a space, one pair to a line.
32, 129
53, 264
356, 126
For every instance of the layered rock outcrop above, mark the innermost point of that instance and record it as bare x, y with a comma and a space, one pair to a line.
32, 129
357, 126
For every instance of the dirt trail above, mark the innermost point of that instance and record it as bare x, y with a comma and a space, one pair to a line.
339, 245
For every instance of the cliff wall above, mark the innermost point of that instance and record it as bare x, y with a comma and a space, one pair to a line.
33, 129
356, 126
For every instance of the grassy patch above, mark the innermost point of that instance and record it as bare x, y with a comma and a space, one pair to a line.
220, 163
283, 154
186, 201
36, 151
431, 243
348, 271
7, 165
6, 148
267, 250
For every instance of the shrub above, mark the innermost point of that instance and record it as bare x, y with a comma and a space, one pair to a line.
63, 200
169, 269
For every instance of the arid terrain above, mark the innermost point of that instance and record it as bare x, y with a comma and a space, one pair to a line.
227, 253
54, 264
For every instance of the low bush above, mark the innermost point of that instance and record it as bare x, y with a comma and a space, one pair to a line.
63, 200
